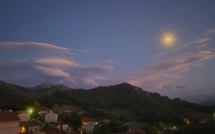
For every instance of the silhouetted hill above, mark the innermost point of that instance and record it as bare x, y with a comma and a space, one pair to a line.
46, 88
43, 85
147, 106
12, 94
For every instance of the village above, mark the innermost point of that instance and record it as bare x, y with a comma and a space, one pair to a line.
47, 122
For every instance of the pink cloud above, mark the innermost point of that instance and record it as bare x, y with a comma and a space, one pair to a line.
38, 47
71, 72
93, 80
55, 61
49, 63
168, 71
202, 45
32, 46
155, 80
209, 32
200, 40
52, 72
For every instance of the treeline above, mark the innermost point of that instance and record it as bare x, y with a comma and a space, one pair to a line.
149, 107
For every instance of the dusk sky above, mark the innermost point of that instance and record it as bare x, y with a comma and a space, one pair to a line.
90, 43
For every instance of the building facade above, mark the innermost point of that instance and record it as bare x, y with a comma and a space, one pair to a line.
9, 123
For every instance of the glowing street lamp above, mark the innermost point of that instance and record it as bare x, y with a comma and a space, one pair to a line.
30, 111
22, 130
174, 127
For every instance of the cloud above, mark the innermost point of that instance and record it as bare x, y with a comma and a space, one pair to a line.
93, 80
165, 72
182, 62
31, 46
154, 80
202, 46
48, 67
209, 32
52, 72
107, 62
59, 62
200, 40
196, 41
36, 49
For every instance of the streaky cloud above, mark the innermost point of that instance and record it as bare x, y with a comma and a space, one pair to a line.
196, 41
53, 65
55, 61
32, 46
55, 72
166, 72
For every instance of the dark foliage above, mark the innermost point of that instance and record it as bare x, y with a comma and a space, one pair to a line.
98, 102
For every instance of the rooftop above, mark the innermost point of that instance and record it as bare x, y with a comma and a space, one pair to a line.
8, 116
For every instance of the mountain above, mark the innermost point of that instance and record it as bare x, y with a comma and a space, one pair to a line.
100, 101
47, 88
146, 106
12, 94
210, 101
43, 85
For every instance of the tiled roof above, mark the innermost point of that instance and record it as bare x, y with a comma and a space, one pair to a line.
8, 116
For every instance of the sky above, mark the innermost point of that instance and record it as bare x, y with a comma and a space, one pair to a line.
90, 43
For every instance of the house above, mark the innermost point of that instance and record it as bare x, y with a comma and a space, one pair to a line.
67, 128
33, 129
24, 117
30, 128
43, 112
51, 117
89, 126
9, 123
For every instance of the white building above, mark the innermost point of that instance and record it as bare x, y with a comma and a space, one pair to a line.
9, 123
89, 126
51, 117
24, 117
34, 129
67, 128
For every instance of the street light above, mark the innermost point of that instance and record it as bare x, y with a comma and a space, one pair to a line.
30, 111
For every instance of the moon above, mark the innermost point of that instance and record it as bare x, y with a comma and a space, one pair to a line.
168, 40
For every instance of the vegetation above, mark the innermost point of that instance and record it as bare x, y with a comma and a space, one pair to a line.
120, 104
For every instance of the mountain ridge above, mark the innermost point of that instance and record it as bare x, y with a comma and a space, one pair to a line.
147, 106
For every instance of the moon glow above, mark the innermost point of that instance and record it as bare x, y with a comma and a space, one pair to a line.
168, 40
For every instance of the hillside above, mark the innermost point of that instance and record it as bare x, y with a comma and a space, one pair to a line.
103, 101
11, 95
46, 88
146, 106
14, 96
